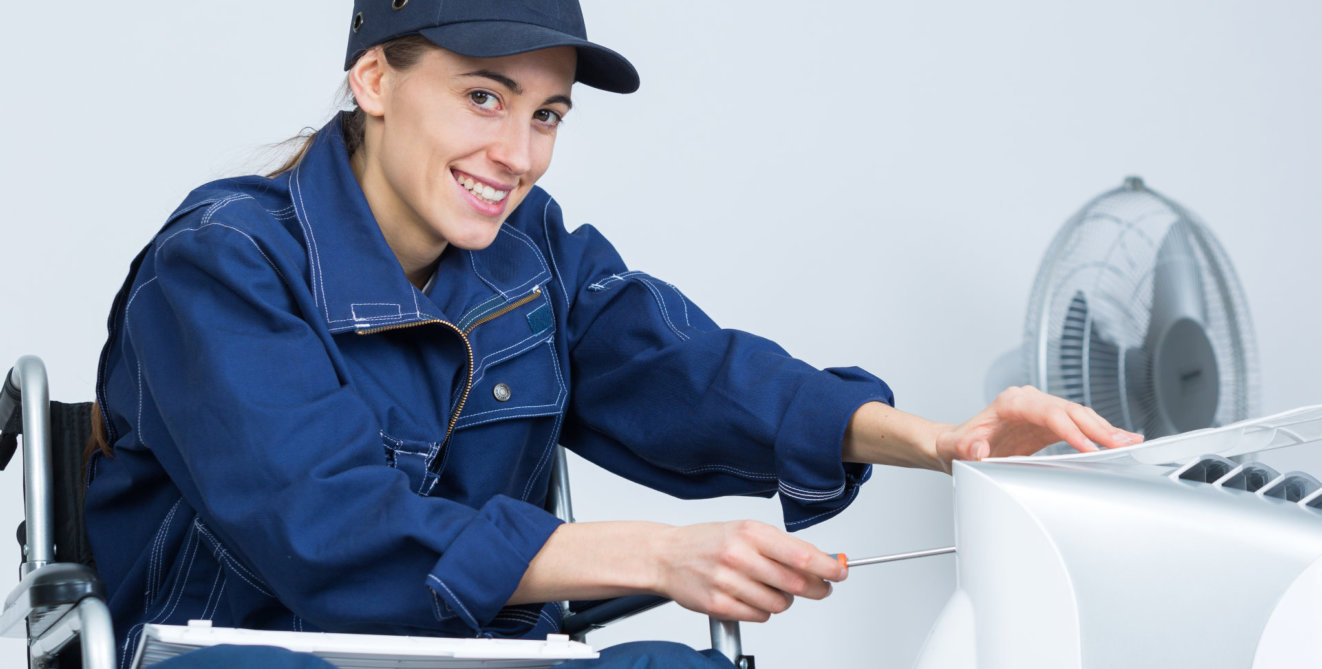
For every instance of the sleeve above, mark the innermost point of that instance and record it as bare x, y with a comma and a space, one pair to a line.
284, 462
665, 397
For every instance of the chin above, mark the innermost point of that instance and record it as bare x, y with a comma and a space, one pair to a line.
475, 240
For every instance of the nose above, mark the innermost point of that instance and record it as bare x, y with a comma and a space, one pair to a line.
512, 148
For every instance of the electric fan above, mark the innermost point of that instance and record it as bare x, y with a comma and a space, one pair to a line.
1137, 313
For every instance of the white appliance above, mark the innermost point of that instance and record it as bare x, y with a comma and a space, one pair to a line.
1166, 554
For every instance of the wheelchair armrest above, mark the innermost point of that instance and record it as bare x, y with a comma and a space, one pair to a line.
46, 594
605, 612
11, 418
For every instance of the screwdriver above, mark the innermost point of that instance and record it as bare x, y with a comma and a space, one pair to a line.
845, 561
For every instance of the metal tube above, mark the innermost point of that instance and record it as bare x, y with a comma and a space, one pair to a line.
98, 634
725, 639
30, 375
900, 556
563, 508
90, 622
563, 505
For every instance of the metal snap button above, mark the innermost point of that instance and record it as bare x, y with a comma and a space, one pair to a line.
357, 21
399, 4
501, 392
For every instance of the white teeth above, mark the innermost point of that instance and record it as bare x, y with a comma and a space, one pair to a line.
482, 190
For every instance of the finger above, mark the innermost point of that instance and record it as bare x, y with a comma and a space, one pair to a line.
1099, 430
1064, 427
802, 557
754, 594
792, 582
726, 607
978, 450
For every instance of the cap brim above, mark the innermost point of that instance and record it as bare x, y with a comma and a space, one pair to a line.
598, 66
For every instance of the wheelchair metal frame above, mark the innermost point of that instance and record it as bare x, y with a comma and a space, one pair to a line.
58, 600
61, 601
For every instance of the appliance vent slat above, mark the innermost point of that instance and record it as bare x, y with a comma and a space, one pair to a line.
1313, 502
1207, 469
1249, 477
1291, 487
1264, 482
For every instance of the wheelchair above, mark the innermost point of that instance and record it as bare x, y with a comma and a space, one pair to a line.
59, 596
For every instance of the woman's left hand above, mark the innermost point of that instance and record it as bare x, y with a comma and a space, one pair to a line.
1022, 421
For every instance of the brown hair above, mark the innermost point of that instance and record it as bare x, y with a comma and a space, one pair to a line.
401, 53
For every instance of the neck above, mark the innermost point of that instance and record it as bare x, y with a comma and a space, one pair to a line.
417, 252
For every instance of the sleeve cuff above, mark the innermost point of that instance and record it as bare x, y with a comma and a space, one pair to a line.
814, 487
480, 570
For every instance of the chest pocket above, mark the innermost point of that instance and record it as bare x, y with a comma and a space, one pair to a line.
521, 379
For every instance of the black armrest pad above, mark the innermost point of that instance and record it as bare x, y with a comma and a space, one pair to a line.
600, 614
11, 419
57, 584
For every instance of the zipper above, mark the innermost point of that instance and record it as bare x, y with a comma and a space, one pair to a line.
468, 346
536, 291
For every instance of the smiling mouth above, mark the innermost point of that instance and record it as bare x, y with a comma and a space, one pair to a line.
480, 190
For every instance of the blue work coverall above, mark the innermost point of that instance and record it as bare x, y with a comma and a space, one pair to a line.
303, 440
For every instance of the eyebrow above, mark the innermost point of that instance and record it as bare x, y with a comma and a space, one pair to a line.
514, 86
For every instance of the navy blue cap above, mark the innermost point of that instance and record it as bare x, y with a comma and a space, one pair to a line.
489, 29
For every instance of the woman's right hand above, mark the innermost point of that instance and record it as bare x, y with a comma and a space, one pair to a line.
740, 570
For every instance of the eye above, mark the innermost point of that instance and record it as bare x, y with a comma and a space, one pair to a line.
485, 100
548, 117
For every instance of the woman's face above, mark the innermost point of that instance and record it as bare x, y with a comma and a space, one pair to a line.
453, 144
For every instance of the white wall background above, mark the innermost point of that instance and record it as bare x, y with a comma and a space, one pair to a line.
866, 182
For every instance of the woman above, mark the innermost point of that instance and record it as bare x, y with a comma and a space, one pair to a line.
332, 395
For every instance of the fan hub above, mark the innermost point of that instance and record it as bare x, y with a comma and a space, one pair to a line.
1186, 377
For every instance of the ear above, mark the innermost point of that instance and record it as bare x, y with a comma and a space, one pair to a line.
365, 80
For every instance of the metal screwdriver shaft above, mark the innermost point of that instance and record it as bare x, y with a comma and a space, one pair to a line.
899, 556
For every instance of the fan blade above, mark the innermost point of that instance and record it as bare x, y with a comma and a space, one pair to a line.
1074, 332
1140, 396
1183, 366
1105, 390
1090, 370
1177, 288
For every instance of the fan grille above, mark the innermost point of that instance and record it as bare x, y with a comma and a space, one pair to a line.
1092, 301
